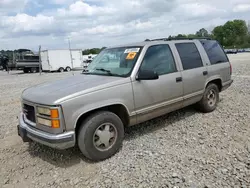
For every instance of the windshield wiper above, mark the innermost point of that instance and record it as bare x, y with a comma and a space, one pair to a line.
104, 70
108, 71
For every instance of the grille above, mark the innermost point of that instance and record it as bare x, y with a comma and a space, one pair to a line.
29, 112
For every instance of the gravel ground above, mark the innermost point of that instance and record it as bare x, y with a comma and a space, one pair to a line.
182, 149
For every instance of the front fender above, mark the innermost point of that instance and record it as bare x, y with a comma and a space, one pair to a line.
90, 107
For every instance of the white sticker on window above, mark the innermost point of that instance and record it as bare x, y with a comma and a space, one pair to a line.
132, 50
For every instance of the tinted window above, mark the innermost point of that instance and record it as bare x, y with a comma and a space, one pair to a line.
160, 59
214, 51
31, 58
189, 55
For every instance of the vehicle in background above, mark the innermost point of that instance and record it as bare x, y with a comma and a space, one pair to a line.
231, 51
87, 59
4, 62
28, 63
61, 60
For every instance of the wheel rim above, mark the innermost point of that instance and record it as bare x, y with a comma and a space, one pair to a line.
211, 97
105, 137
68, 69
61, 69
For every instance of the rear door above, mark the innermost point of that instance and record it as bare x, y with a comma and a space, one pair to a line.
194, 71
219, 65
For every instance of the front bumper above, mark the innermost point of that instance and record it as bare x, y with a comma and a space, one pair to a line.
58, 141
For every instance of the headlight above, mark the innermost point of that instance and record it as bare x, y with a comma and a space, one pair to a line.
54, 123
43, 111
53, 113
53, 117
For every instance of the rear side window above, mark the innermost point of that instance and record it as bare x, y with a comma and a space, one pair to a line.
214, 51
190, 56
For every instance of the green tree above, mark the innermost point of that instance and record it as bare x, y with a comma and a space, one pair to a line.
181, 36
202, 33
232, 34
191, 35
218, 34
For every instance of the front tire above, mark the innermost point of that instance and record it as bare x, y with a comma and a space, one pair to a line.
100, 135
210, 99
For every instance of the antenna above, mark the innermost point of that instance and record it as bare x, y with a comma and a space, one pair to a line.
40, 60
71, 56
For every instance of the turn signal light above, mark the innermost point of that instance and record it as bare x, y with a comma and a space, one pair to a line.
55, 123
54, 113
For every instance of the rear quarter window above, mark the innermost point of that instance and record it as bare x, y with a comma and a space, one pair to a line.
190, 56
214, 51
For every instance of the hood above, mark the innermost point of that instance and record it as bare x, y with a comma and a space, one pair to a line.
50, 93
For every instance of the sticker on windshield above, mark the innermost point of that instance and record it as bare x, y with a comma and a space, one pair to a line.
131, 55
132, 50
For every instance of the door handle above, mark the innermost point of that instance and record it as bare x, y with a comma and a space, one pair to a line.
179, 79
205, 73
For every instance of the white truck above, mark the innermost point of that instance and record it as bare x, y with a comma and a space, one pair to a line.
60, 60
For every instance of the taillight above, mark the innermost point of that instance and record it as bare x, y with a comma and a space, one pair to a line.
231, 69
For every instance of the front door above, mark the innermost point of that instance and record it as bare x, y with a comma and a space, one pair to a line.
157, 97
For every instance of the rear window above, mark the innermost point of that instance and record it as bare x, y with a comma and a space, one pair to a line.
190, 56
214, 51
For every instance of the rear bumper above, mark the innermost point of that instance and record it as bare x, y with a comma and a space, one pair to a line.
58, 141
226, 85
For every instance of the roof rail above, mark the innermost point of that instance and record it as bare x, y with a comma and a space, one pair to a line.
180, 38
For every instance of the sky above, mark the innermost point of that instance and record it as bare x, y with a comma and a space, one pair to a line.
98, 23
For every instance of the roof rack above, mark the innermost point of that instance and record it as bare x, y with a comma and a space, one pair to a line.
180, 38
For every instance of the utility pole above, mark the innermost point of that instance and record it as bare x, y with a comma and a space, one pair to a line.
71, 56
40, 70
248, 26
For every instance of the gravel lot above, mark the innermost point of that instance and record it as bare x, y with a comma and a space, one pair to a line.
182, 149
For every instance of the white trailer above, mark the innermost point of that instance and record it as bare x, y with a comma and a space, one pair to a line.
77, 58
60, 60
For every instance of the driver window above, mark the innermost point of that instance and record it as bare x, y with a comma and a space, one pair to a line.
159, 58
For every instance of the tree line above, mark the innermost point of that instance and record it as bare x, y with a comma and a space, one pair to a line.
233, 34
92, 51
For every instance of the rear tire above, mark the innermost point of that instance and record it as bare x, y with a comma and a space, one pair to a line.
61, 69
25, 70
68, 69
100, 135
210, 99
33, 70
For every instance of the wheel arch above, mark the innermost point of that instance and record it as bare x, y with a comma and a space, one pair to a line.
217, 81
119, 109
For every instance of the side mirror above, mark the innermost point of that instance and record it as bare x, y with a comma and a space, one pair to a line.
147, 75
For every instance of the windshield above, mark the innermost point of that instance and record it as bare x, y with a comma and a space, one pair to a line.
114, 61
